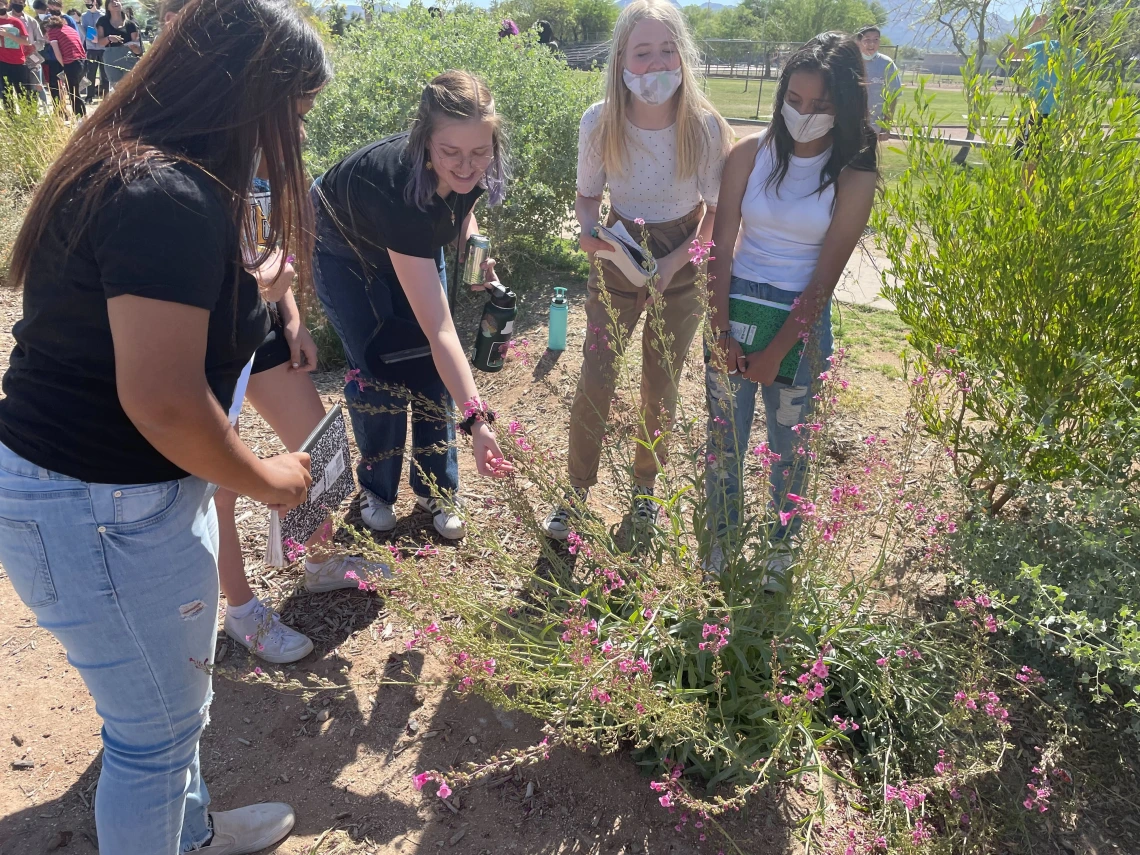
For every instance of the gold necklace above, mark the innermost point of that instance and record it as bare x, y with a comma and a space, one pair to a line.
451, 208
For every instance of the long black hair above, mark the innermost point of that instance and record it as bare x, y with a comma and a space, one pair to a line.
837, 58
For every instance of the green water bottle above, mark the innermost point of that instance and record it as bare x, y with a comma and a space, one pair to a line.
556, 329
495, 328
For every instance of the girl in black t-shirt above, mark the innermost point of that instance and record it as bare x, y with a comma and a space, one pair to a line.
384, 215
113, 425
122, 43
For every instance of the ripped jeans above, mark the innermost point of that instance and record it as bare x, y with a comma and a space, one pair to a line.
126, 578
732, 406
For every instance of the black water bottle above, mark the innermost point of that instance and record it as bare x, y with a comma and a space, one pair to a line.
495, 328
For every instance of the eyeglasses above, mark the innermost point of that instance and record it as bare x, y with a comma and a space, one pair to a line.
458, 161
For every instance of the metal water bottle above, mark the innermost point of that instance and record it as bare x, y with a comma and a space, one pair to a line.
495, 328
556, 329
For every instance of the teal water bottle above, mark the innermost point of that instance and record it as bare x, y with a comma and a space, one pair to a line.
556, 335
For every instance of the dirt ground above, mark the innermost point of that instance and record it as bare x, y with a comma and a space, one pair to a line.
349, 776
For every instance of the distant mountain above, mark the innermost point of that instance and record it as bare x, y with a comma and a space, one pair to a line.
904, 26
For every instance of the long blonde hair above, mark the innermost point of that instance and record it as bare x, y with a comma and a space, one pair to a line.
610, 136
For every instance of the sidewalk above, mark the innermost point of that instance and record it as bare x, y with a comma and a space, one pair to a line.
863, 277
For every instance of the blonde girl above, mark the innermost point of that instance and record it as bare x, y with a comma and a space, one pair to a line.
658, 144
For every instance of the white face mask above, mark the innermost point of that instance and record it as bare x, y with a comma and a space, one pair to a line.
867, 57
807, 128
653, 88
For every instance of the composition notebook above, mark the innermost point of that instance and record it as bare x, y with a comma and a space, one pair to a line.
755, 322
329, 455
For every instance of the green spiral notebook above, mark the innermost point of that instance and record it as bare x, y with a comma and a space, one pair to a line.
755, 322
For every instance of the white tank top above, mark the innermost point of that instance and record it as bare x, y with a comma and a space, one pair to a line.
782, 229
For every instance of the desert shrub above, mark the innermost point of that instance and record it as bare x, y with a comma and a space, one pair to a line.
29, 142
1064, 573
1026, 280
718, 686
381, 69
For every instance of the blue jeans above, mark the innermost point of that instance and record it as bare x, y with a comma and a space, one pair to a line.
379, 409
126, 578
732, 405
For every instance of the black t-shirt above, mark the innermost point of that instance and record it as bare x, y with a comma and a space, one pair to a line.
366, 194
126, 32
165, 235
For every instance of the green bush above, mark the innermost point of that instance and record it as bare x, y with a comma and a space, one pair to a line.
29, 142
382, 68
1026, 281
1066, 575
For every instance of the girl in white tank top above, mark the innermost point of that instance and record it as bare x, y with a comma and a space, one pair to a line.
794, 203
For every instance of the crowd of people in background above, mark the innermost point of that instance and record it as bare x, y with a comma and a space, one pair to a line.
120, 458
67, 57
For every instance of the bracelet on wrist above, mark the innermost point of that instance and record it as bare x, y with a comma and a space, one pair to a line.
475, 411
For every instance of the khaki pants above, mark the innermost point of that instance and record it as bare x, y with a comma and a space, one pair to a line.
682, 307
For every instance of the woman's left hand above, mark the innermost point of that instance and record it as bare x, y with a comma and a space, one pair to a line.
490, 277
489, 460
762, 367
302, 348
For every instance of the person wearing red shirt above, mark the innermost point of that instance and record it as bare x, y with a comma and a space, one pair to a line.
69, 52
13, 41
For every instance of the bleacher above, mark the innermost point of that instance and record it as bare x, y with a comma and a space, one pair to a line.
586, 54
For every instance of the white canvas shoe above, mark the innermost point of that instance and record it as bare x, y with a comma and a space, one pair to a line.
376, 514
342, 572
262, 633
447, 522
249, 829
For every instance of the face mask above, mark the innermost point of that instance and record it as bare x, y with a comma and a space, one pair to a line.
867, 57
654, 88
807, 128
17, 10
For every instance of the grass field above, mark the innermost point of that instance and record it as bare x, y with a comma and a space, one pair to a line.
737, 99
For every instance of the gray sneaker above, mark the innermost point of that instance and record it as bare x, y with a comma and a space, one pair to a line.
557, 525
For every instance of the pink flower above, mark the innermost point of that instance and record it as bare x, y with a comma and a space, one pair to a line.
819, 669
666, 800
444, 791
421, 779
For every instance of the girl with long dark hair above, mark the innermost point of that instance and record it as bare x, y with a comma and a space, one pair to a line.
139, 317
384, 215
794, 202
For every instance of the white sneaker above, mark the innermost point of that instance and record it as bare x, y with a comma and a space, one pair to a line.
263, 634
376, 514
341, 572
447, 522
557, 525
249, 829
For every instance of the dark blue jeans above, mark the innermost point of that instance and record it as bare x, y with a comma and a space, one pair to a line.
379, 409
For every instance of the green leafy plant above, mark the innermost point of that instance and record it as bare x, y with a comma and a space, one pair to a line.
29, 142
1020, 273
621, 640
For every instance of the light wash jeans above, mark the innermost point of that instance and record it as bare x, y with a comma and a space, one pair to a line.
732, 405
126, 578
